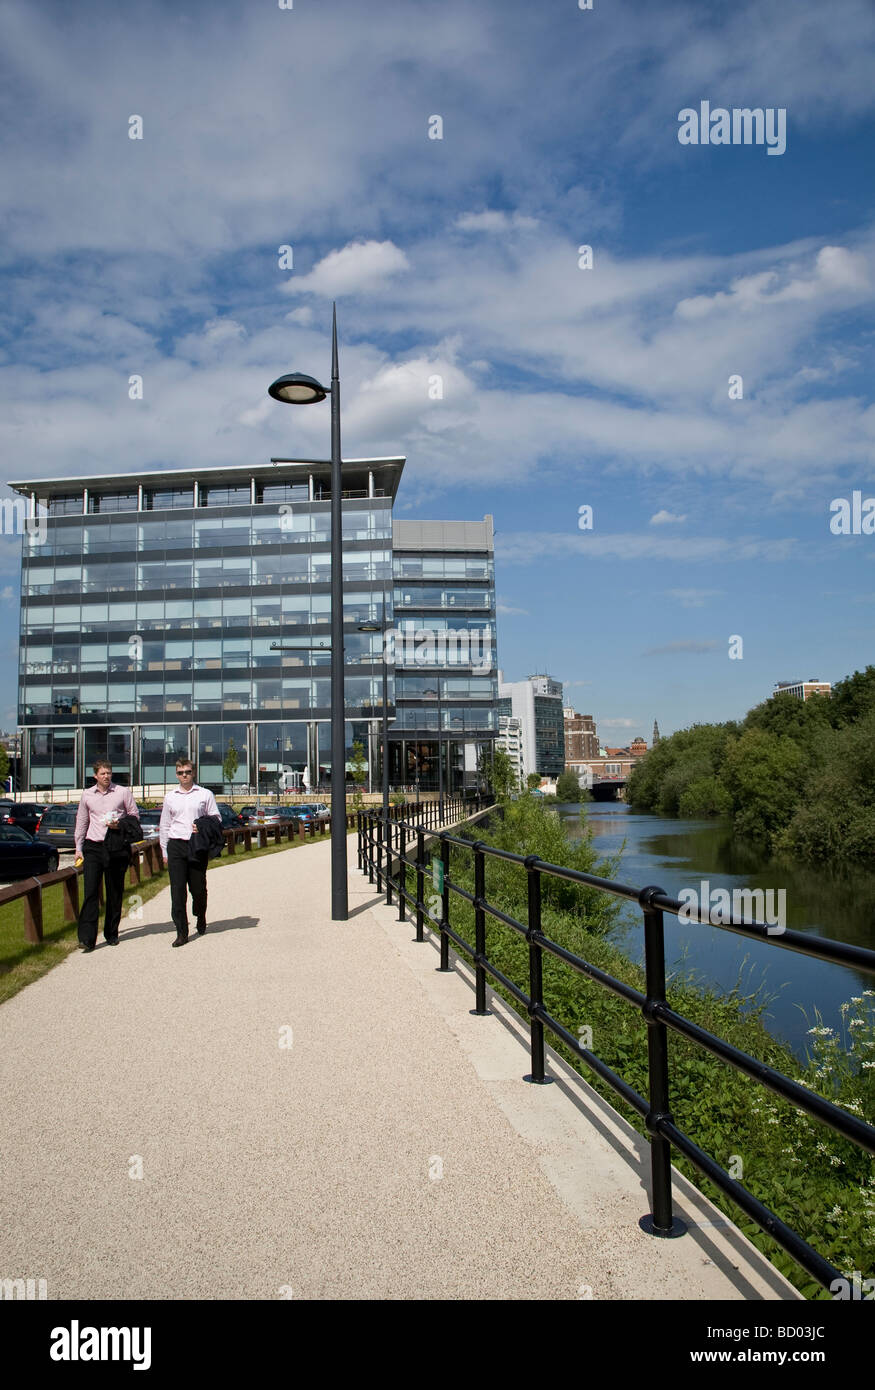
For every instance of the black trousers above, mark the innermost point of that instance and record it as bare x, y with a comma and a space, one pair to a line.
185, 874
112, 868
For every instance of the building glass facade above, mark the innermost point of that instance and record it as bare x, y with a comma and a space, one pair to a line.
445, 668
148, 615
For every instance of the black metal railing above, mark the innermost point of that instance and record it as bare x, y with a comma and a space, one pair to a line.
383, 848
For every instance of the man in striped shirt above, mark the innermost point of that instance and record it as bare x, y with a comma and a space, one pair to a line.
179, 815
102, 807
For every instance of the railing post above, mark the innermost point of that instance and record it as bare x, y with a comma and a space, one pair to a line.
33, 913
358, 828
379, 854
536, 983
660, 1221
70, 893
480, 1009
420, 884
402, 871
445, 905
371, 847
389, 846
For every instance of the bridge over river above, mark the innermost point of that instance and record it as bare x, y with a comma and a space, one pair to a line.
290, 1106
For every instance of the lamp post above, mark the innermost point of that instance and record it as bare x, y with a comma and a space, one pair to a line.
375, 627
440, 755
297, 389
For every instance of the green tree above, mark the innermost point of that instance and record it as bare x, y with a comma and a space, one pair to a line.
359, 772
497, 766
568, 787
231, 763
765, 774
4, 766
853, 698
533, 780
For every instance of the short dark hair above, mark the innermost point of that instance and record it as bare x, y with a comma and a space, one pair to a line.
184, 762
99, 763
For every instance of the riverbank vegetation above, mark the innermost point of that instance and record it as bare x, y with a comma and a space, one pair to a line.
818, 1183
797, 777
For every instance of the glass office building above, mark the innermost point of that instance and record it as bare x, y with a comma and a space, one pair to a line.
446, 681
149, 608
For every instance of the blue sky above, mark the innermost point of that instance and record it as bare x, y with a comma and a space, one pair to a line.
458, 258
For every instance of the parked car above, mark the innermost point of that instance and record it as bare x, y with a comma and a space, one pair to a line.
321, 811
57, 826
24, 814
21, 855
231, 819
149, 819
246, 811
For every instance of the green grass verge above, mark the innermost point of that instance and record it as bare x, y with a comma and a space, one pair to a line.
21, 962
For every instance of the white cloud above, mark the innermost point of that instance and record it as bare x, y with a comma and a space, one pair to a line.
835, 270
357, 268
693, 598
619, 723
663, 518
495, 222
505, 610
527, 547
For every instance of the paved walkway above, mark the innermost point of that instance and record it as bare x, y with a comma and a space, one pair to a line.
391, 1151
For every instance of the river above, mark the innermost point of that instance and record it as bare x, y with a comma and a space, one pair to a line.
679, 854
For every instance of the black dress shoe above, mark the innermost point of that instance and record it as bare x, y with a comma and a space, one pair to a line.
180, 941
201, 925
112, 941
85, 949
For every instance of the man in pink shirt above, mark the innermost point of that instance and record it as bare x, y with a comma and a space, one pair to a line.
102, 807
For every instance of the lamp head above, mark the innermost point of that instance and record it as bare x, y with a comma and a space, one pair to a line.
297, 389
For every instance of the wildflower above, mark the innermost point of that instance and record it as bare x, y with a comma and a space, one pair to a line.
835, 1161
868, 1066
836, 1211
870, 992
856, 998
843, 1008
857, 1023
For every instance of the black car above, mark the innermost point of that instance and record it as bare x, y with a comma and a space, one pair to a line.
57, 827
24, 814
231, 819
21, 855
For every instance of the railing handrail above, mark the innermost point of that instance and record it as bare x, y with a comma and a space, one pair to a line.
657, 1013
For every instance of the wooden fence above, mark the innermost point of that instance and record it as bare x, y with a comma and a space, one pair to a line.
146, 862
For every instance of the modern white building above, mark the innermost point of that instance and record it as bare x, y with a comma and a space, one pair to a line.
510, 738
537, 703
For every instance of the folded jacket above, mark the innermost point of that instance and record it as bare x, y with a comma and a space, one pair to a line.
209, 837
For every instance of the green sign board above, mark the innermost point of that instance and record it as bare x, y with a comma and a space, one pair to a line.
437, 875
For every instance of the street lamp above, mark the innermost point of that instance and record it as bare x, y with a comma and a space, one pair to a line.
297, 389
375, 627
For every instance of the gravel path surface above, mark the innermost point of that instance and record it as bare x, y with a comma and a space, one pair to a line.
284, 1108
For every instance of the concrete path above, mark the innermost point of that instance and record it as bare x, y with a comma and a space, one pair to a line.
290, 1107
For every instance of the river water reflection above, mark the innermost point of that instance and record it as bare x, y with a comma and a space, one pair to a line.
678, 854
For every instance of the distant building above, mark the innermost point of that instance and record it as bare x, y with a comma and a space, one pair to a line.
581, 739
609, 762
510, 738
655, 739
537, 703
803, 690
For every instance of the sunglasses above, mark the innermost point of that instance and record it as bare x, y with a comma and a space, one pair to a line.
184, 772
